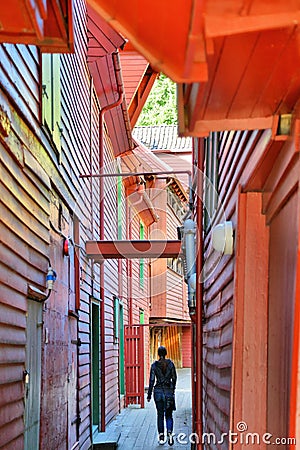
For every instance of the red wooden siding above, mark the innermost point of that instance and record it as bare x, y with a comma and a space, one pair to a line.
134, 365
245, 163
25, 237
159, 266
139, 294
176, 303
134, 66
250, 317
176, 291
235, 151
186, 345
40, 192
111, 288
281, 206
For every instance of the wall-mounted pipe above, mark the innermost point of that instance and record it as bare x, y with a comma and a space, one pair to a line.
199, 294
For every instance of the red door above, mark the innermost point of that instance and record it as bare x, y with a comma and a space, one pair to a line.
282, 274
134, 365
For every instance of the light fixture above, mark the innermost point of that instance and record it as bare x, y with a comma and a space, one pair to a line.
222, 238
66, 247
36, 294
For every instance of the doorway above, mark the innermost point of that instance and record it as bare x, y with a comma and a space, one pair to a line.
96, 373
32, 375
282, 273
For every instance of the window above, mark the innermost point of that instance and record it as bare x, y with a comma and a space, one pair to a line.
51, 97
119, 340
211, 178
142, 316
175, 264
142, 261
179, 208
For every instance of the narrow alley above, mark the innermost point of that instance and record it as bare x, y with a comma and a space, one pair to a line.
135, 428
149, 197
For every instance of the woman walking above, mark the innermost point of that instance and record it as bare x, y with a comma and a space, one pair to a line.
164, 372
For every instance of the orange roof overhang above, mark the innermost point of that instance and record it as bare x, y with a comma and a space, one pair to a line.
236, 62
162, 32
45, 23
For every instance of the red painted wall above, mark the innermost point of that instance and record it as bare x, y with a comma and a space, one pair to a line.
41, 192
251, 160
186, 342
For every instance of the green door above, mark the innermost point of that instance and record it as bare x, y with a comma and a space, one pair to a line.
121, 351
96, 376
33, 375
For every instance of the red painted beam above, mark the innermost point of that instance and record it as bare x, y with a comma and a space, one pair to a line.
100, 250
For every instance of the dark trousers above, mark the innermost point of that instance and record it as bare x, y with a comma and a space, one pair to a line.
163, 412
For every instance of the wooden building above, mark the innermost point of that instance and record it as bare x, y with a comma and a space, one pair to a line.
169, 313
236, 65
63, 118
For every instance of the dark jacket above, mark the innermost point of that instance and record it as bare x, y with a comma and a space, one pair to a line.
164, 382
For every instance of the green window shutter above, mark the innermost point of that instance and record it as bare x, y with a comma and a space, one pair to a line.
56, 111
47, 90
51, 104
116, 318
142, 316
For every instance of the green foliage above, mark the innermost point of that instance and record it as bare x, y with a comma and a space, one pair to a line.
160, 107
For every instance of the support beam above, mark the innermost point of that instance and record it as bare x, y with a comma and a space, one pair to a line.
139, 99
228, 25
101, 250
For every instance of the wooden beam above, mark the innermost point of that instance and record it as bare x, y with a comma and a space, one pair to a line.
139, 99
204, 127
227, 25
135, 249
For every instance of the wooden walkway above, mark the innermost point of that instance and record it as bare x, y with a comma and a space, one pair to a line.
137, 427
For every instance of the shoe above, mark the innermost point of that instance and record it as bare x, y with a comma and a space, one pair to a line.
170, 439
161, 439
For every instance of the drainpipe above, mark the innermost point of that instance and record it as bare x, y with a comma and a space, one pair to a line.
129, 267
199, 296
117, 68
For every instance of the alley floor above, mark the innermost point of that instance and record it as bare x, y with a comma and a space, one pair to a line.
137, 426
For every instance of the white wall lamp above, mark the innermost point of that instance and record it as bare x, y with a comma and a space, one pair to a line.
222, 238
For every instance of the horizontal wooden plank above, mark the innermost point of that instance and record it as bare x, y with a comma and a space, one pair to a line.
221, 358
10, 295
12, 354
12, 435
11, 373
100, 250
14, 84
21, 187
11, 412
12, 316
19, 262
12, 392
17, 443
